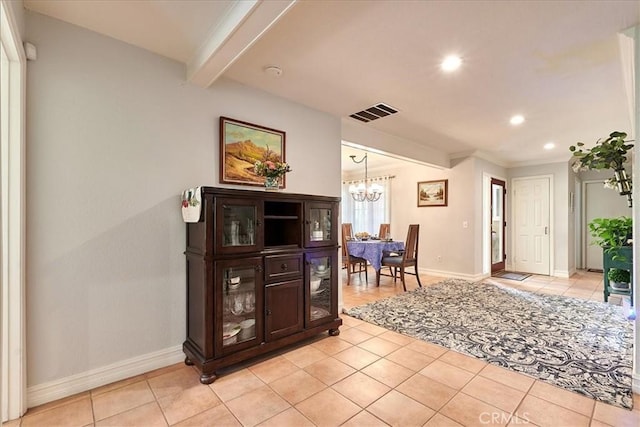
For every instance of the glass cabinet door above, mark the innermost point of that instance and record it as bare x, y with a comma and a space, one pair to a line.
322, 273
237, 222
320, 225
240, 283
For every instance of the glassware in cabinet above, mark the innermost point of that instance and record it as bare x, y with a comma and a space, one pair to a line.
240, 285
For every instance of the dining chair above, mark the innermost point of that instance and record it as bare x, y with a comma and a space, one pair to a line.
385, 231
347, 230
352, 262
408, 258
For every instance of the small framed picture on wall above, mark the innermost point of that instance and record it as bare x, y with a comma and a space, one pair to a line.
433, 193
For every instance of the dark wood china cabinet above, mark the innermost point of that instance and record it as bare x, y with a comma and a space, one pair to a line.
262, 273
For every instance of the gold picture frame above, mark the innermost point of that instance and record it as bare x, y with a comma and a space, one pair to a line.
433, 193
241, 145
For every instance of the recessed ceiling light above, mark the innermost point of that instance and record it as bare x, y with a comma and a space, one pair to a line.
273, 71
451, 63
517, 120
549, 146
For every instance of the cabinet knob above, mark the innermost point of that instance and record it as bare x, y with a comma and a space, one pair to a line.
283, 266
268, 312
258, 268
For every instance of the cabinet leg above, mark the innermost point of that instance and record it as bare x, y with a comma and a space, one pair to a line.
334, 332
188, 361
208, 378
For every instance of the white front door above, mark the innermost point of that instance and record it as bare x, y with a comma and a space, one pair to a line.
531, 225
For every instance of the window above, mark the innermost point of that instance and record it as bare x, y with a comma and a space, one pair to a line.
367, 216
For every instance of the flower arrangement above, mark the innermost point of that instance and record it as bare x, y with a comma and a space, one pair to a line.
271, 169
189, 199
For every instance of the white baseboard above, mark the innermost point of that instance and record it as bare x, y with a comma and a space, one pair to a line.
565, 274
57, 389
454, 275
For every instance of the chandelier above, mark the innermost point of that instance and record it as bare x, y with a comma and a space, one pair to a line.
360, 192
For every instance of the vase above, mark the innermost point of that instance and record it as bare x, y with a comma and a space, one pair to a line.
271, 183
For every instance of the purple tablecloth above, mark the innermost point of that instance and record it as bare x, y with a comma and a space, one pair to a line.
371, 250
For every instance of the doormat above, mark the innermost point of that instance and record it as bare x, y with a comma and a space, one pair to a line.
511, 275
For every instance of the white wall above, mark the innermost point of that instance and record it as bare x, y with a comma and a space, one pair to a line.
114, 135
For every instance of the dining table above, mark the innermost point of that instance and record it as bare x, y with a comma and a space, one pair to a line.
372, 250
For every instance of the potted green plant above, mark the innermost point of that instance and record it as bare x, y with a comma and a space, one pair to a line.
619, 279
608, 154
612, 234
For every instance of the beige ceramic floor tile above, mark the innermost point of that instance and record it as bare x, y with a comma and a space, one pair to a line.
543, 413
564, 398
447, 374
397, 338
372, 329
469, 411
218, 416
616, 416
361, 389
59, 402
439, 420
354, 336
118, 384
12, 423
504, 376
388, 372
305, 356
173, 381
328, 408
272, 369
235, 384
289, 418
356, 357
379, 346
257, 406
332, 345
350, 321
459, 360
410, 359
145, 415
399, 410
76, 413
121, 399
427, 391
329, 370
166, 369
427, 348
297, 387
180, 406
364, 419
494, 393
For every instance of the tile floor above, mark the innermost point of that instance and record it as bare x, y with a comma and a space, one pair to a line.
366, 376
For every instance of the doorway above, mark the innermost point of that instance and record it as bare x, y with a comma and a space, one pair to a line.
531, 215
498, 225
599, 202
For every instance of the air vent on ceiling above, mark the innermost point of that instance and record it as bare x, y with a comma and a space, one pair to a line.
374, 112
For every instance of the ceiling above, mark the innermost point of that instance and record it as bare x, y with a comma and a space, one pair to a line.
558, 63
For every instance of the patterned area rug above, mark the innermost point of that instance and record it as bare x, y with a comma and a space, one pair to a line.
583, 346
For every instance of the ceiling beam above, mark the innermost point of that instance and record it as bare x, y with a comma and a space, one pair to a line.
235, 32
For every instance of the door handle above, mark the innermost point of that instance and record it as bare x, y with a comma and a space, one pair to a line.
546, 230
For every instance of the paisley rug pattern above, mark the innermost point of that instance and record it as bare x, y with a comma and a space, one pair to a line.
582, 346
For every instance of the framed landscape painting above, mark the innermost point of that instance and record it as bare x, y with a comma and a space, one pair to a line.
432, 193
242, 144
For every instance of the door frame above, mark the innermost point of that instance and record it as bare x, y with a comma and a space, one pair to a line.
502, 264
486, 220
552, 228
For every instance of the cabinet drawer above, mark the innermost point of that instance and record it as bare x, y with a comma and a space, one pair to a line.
282, 267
